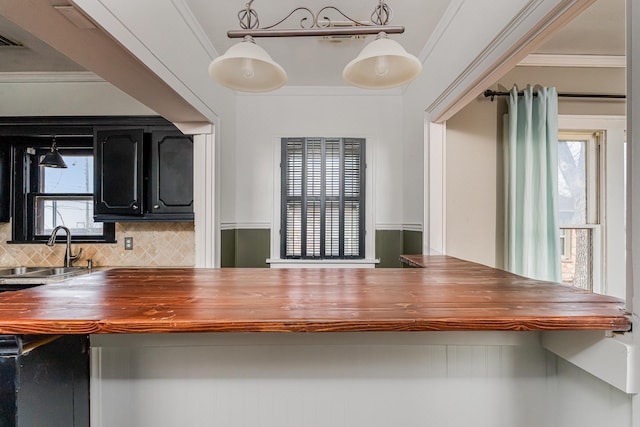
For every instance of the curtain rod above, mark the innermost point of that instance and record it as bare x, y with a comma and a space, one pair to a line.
492, 94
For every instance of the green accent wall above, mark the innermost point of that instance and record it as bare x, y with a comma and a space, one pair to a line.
251, 247
390, 244
388, 248
245, 248
227, 248
411, 242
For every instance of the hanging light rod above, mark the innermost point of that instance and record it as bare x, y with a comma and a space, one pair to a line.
316, 24
317, 31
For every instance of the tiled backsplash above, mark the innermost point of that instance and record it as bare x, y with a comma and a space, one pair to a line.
155, 244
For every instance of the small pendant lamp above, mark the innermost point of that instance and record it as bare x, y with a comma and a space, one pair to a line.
53, 159
247, 67
382, 64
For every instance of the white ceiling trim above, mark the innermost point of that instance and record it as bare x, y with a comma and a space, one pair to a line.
189, 18
443, 24
486, 68
480, 61
49, 77
592, 61
325, 91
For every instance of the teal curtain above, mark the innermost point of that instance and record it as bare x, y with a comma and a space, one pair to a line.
532, 246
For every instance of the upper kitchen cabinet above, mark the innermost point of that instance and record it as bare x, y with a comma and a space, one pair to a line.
118, 172
171, 181
143, 174
5, 182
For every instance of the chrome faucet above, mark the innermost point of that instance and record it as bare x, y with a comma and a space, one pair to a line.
68, 258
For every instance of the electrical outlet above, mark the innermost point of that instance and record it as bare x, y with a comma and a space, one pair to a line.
128, 243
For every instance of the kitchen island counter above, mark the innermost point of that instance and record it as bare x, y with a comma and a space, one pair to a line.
449, 295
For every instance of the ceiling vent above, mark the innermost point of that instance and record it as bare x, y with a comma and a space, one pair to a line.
7, 42
342, 38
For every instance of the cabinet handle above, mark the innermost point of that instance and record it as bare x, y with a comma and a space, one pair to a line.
156, 206
134, 206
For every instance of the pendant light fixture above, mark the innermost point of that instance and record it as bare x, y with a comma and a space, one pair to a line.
53, 159
382, 64
247, 67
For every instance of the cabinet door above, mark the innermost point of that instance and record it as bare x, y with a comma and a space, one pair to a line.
118, 172
171, 182
5, 181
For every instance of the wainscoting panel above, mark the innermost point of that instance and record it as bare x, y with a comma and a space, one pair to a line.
318, 380
413, 379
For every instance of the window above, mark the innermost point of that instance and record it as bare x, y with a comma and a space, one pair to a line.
322, 203
579, 206
48, 197
597, 244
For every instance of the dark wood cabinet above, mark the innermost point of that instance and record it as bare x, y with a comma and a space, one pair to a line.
46, 386
5, 182
143, 174
118, 172
171, 181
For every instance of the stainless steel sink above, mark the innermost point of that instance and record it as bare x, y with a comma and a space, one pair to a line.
41, 272
14, 271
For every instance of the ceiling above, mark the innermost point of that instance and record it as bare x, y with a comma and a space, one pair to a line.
597, 31
33, 56
313, 62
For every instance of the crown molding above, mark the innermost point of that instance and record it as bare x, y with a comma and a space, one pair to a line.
448, 16
196, 29
592, 61
50, 77
325, 91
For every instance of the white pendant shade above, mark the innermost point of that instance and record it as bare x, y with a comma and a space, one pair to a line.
247, 67
382, 64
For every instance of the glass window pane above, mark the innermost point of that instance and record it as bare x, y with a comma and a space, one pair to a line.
294, 229
332, 168
76, 178
314, 168
294, 168
576, 259
352, 169
332, 229
572, 182
313, 229
351, 228
75, 214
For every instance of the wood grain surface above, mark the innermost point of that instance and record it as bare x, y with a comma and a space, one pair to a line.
448, 294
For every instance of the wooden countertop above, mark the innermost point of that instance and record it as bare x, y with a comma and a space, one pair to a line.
448, 294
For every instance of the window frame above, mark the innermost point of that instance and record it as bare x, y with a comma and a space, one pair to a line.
26, 187
610, 233
594, 181
323, 198
273, 192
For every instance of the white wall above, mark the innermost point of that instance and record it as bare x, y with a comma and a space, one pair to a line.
263, 119
580, 399
472, 179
